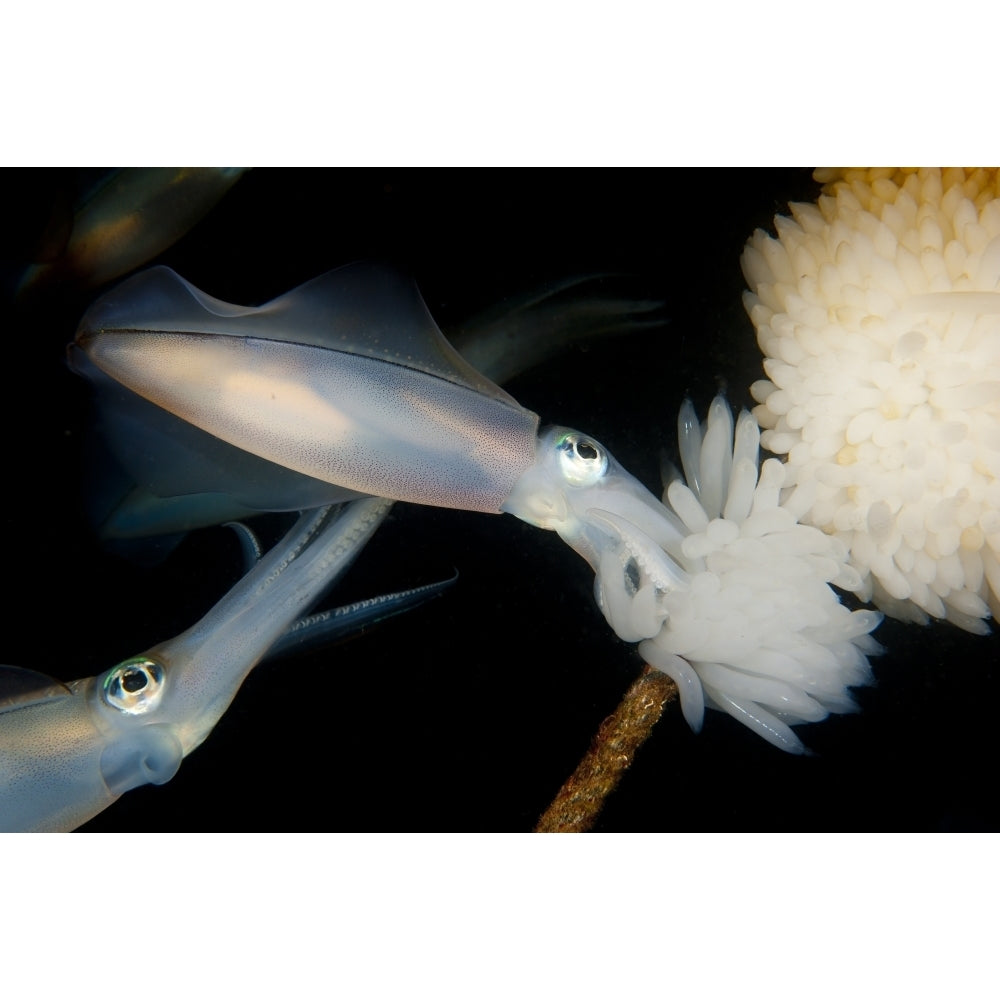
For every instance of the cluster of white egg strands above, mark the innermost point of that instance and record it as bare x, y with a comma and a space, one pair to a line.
744, 618
878, 313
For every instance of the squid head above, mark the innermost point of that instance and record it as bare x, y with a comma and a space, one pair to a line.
631, 541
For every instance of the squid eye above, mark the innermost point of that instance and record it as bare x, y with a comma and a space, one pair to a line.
135, 686
582, 461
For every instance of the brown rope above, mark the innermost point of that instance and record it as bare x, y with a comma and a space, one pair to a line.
580, 800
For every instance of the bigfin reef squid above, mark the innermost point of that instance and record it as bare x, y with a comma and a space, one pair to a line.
346, 387
67, 751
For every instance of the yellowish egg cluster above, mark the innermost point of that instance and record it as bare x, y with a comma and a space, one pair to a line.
878, 313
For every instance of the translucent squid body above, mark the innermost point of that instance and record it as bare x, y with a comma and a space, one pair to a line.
67, 751
346, 387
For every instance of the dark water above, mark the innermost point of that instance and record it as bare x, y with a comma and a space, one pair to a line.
468, 713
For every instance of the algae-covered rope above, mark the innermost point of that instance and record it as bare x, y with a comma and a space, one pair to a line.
581, 798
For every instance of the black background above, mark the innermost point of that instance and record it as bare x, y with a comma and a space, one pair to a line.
468, 713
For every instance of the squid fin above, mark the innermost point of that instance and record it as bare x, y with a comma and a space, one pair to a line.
20, 687
367, 309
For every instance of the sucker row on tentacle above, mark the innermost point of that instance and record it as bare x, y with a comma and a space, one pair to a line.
325, 627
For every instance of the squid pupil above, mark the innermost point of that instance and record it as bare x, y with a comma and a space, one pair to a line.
586, 450
133, 680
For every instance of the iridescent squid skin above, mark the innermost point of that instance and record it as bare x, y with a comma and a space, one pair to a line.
343, 387
346, 386
68, 751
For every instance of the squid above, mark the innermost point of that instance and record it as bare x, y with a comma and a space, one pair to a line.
346, 387
68, 751
169, 477
128, 218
